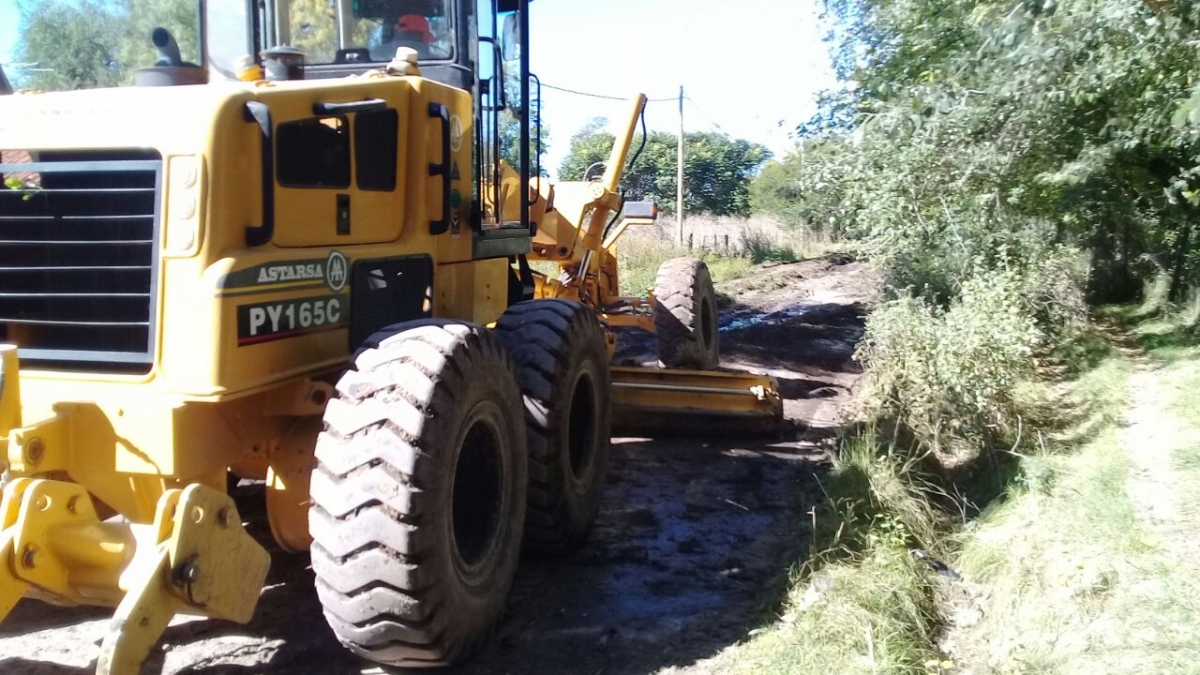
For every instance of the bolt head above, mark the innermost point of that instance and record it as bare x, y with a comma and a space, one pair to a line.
29, 556
187, 573
35, 451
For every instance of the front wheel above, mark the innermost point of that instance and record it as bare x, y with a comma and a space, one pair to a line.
685, 315
418, 499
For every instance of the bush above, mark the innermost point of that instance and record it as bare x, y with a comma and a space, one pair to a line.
948, 374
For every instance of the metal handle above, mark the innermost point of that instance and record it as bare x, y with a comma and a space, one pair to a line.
256, 111
538, 172
442, 113
369, 105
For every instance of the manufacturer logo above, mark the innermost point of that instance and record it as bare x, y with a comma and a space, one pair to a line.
337, 270
274, 274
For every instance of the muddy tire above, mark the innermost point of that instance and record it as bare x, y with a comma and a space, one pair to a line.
685, 315
562, 366
418, 499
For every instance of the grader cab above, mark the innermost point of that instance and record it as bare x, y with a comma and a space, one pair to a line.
299, 257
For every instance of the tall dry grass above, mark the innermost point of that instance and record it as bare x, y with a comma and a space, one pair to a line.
731, 247
735, 236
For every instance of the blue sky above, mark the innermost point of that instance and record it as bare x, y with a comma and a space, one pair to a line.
750, 67
8, 28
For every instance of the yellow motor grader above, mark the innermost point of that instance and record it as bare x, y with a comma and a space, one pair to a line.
298, 257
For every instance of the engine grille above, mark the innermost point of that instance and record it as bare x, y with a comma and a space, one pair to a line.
79, 237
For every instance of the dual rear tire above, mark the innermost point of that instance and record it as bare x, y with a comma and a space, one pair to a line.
562, 365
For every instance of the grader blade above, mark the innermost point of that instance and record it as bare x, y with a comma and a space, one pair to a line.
649, 400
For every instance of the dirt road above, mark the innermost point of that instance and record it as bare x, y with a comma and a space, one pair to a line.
691, 550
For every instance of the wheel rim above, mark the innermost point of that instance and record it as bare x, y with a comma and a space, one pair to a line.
478, 495
581, 426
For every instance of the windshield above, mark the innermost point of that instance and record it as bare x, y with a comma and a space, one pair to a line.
83, 44
354, 31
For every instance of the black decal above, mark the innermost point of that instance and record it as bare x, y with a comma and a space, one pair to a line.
266, 321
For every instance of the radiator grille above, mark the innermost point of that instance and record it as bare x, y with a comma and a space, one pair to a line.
79, 238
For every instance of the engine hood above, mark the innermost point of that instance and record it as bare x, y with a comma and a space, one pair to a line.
169, 119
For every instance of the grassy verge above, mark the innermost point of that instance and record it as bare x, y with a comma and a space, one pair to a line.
1069, 574
1061, 573
873, 616
1171, 335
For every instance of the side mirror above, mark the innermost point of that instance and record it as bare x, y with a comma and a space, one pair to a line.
510, 46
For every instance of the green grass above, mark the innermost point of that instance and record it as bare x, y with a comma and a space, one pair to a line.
1170, 331
638, 260
1182, 375
1061, 575
1070, 580
872, 615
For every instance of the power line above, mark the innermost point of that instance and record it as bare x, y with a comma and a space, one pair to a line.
707, 116
603, 96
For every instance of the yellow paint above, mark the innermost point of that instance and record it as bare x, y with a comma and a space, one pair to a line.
195, 559
289, 471
573, 233
644, 397
477, 291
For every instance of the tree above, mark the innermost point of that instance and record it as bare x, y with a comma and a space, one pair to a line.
590, 146
73, 46
510, 143
975, 135
99, 43
807, 188
717, 168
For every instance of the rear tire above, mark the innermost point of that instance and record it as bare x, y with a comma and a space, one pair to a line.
685, 315
418, 499
562, 366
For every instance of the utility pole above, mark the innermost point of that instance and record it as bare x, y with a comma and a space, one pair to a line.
679, 172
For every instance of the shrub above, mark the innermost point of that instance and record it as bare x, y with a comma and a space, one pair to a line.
948, 374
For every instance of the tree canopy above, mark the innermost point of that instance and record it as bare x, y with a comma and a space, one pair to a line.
968, 131
98, 43
717, 168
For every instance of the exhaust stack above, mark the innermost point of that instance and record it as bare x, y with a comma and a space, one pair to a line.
168, 49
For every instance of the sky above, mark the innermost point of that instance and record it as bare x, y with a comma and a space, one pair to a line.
8, 29
750, 68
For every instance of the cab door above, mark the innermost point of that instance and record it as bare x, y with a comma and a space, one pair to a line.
338, 169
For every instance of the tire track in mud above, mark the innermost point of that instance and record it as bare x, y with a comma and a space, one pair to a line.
690, 552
